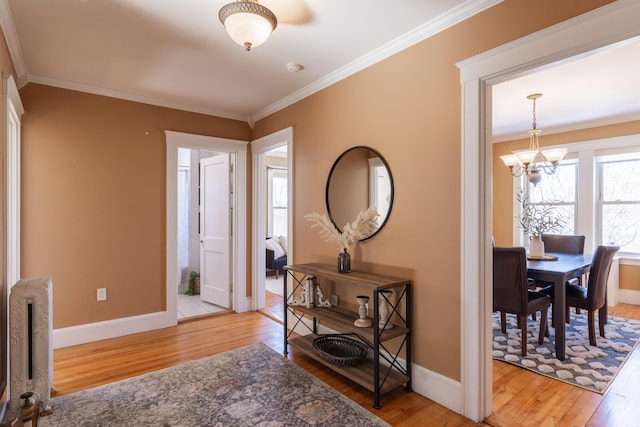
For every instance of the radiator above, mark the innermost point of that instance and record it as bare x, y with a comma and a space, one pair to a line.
31, 345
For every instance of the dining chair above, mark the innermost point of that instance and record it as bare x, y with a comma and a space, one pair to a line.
512, 295
562, 244
593, 296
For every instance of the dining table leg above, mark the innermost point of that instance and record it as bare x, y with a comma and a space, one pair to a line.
559, 310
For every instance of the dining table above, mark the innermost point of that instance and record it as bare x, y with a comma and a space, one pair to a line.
558, 268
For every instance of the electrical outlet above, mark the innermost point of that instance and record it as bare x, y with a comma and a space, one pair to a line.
102, 294
334, 300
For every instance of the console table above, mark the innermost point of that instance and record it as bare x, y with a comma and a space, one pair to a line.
385, 370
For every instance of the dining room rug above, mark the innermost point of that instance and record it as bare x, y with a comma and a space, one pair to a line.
249, 386
592, 368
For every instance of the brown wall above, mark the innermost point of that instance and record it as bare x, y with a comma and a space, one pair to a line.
407, 107
93, 179
93, 198
630, 277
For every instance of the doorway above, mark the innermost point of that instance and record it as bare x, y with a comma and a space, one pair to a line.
238, 151
192, 301
595, 30
273, 152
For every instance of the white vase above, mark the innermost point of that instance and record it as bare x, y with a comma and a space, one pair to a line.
536, 246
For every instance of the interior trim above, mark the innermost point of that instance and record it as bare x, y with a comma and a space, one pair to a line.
598, 29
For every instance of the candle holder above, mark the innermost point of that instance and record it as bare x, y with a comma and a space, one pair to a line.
363, 321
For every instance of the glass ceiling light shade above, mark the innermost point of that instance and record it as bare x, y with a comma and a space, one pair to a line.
533, 161
248, 23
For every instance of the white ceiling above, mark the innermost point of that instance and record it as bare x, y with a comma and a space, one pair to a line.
175, 53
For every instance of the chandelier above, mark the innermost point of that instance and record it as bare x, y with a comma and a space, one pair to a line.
533, 161
248, 23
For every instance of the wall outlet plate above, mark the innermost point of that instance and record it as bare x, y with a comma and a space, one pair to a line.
334, 300
102, 294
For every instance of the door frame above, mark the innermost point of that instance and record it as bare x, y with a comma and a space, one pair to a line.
259, 148
239, 216
13, 111
599, 29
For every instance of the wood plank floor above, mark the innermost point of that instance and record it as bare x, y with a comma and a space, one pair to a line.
521, 398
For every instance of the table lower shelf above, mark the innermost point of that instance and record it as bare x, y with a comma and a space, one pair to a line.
361, 373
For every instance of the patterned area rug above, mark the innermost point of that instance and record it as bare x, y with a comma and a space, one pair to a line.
593, 368
250, 386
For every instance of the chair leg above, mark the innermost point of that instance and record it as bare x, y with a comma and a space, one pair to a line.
503, 321
592, 328
543, 325
276, 274
601, 322
523, 330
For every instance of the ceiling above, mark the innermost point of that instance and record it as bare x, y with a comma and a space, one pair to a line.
175, 53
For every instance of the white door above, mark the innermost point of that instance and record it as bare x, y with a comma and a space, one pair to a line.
215, 226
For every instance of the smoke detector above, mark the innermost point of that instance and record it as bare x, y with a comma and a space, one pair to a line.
292, 67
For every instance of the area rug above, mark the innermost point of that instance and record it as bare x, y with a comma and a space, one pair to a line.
593, 368
250, 386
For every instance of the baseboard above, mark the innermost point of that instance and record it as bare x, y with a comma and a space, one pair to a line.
432, 385
629, 297
81, 334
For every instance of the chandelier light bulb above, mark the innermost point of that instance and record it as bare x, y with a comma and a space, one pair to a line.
534, 161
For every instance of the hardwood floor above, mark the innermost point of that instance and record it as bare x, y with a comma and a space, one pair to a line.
89, 365
521, 398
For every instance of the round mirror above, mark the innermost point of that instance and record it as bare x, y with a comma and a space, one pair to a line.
360, 178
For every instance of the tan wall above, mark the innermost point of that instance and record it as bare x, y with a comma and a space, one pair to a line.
93, 198
630, 277
408, 108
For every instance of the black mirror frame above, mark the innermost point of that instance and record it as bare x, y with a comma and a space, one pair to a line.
386, 165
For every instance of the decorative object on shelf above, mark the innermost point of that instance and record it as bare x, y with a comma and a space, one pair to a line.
344, 262
340, 350
536, 220
303, 299
383, 309
532, 161
248, 23
194, 284
319, 300
363, 321
363, 226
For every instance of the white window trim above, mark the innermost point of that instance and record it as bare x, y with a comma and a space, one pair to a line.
586, 152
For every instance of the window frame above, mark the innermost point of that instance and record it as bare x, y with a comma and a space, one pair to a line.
588, 219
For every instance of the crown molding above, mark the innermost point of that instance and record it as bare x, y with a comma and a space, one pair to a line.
11, 37
428, 29
606, 121
131, 97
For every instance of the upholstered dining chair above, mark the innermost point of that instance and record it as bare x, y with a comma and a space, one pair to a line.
512, 295
563, 243
593, 296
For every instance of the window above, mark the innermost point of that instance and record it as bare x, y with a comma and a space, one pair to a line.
618, 178
559, 191
278, 202
597, 189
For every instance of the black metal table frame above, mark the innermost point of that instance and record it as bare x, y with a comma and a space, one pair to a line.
389, 356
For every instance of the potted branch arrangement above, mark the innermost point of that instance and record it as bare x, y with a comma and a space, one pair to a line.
363, 226
536, 220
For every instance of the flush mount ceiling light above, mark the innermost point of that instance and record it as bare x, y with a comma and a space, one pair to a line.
248, 23
532, 161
